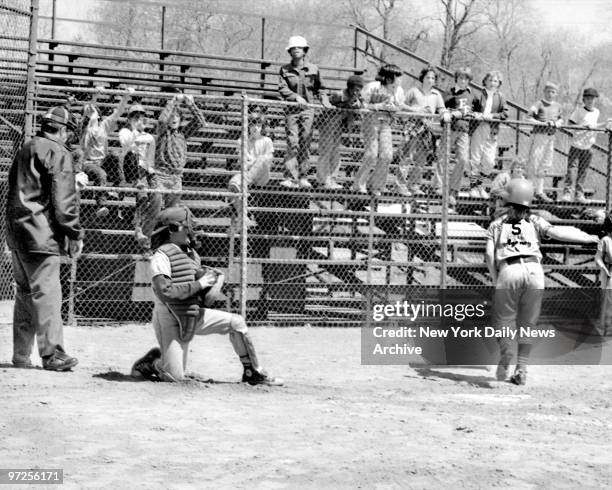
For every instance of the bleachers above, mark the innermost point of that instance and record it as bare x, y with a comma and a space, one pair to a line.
313, 256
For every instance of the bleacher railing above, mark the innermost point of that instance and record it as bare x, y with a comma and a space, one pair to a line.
318, 245
515, 139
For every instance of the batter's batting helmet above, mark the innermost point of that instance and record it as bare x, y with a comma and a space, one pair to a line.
519, 191
297, 42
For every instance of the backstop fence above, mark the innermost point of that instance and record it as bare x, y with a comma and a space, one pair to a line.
314, 214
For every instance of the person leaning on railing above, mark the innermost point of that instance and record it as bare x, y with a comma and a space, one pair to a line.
333, 123
383, 97
299, 81
420, 138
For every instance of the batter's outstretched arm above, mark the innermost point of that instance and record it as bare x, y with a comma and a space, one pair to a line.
567, 234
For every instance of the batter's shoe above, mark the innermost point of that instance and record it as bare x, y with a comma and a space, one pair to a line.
520, 376
59, 361
254, 377
144, 368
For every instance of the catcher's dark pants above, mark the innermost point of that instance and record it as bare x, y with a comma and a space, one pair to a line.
173, 361
38, 303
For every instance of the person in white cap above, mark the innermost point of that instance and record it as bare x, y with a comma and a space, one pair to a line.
300, 82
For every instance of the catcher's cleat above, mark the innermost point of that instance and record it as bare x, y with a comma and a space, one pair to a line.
145, 366
519, 377
59, 361
254, 377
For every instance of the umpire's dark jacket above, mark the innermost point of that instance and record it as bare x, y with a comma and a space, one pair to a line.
42, 206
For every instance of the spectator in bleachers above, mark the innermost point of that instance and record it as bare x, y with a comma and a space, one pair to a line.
330, 133
171, 148
489, 105
420, 145
94, 143
299, 81
459, 102
580, 153
383, 97
257, 160
140, 145
542, 145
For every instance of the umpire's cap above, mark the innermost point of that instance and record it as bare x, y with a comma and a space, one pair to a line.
519, 191
59, 116
176, 216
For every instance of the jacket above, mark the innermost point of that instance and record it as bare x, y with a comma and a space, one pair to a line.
42, 207
499, 109
304, 81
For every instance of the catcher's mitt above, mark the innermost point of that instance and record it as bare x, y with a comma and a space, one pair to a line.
211, 295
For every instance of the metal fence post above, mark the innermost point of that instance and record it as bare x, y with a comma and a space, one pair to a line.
31, 72
446, 135
609, 175
243, 205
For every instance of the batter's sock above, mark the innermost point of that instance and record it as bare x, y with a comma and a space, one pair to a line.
524, 350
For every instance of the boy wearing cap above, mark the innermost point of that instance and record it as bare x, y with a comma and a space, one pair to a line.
94, 143
330, 134
42, 223
140, 145
580, 153
542, 146
183, 292
299, 81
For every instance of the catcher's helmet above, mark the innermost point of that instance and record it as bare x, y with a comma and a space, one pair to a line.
60, 116
519, 191
177, 216
297, 42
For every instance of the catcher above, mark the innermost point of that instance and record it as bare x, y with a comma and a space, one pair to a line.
183, 292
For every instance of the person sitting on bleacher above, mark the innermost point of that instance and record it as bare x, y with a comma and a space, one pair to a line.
330, 133
257, 160
138, 144
171, 149
94, 143
498, 186
299, 81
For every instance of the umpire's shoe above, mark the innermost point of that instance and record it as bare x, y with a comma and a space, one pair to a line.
144, 368
254, 377
59, 361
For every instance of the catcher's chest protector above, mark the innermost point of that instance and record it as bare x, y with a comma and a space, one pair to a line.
187, 312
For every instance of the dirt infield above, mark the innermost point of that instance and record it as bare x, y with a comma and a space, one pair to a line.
336, 424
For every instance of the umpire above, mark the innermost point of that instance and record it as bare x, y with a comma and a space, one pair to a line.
42, 219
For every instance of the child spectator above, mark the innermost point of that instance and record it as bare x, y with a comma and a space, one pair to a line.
460, 102
580, 154
258, 159
541, 150
171, 148
419, 148
330, 134
603, 259
94, 143
383, 97
141, 145
299, 82
491, 104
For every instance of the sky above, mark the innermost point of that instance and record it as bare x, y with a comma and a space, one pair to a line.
590, 18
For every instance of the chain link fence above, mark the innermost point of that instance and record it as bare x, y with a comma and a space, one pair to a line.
314, 214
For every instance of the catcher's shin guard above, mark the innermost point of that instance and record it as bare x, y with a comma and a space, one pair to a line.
243, 346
